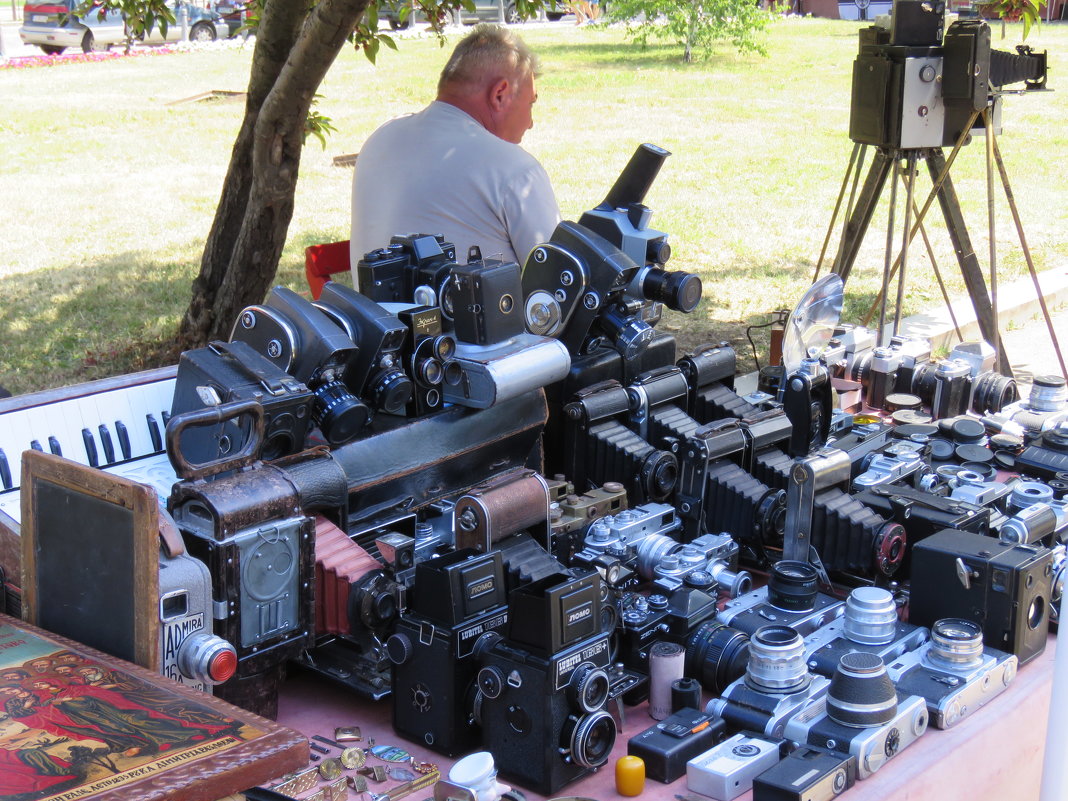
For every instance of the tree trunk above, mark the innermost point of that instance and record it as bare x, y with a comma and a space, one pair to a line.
294, 50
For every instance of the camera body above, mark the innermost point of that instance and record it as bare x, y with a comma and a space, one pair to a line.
790, 598
870, 624
1003, 587
300, 340
189, 652
376, 376
235, 372
413, 269
954, 672
544, 685
456, 598
776, 685
873, 746
599, 446
634, 540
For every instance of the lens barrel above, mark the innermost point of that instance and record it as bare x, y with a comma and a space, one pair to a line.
792, 586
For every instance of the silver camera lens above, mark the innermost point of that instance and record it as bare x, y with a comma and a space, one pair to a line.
777, 661
591, 738
870, 616
956, 644
589, 687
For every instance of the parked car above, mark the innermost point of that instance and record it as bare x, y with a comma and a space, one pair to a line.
54, 26
235, 14
485, 11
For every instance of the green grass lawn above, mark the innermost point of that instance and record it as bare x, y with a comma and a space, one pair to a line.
108, 187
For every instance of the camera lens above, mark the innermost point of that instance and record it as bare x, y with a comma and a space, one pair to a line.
870, 616
390, 391
444, 347
716, 655
993, 392
589, 687
678, 290
924, 382
792, 586
1048, 393
861, 694
777, 661
591, 738
430, 372
956, 644
338, 413
659, 474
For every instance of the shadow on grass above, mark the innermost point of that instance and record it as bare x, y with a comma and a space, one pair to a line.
631, 55
117, 315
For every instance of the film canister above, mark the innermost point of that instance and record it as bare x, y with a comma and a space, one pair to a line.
685, 693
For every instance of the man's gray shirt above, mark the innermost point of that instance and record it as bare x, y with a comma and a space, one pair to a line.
439, 171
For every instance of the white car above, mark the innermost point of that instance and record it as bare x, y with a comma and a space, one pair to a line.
53, 26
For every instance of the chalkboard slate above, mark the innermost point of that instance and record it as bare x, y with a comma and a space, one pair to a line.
90, 557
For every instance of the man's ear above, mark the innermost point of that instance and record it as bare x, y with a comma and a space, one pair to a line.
500, 92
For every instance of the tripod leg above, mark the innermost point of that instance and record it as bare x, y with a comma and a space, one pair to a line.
857, 151
887, 254
1027, 256
862, 213
962, 247
909, 186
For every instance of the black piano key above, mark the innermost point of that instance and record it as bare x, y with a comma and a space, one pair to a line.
124, 440
154, 433
5, 471
90, 448
53, 445
36, 445
105, 440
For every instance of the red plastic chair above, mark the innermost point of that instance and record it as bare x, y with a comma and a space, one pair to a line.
323, 261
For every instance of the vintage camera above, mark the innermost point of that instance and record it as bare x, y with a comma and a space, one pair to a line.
600, 447
901, 461
231, 373
954, 672
494, 359
807, 401
626, 547
806, 774
253, 532
623, 220
861, 714
571, 514
717, 491
1043, 521
790, 598
303, 342
376, 375
870, 624
728, 770
1003, 587
456, 598
880, 370
848, 537
427, 349
1046, 456
544, 685
413, 269
1045, 407
599, 282
777, 685
189, 652
912, 90
708, 563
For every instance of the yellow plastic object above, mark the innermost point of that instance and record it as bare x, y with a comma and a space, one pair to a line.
630, 776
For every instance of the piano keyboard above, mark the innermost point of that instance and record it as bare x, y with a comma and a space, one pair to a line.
114, 424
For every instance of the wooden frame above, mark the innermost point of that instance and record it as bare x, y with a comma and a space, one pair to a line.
101, 582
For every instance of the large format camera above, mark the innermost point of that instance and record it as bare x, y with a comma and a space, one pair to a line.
544, 685
911, 89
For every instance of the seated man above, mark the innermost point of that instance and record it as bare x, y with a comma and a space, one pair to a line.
456, 167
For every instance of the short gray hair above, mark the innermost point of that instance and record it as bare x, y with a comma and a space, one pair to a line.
485, 52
